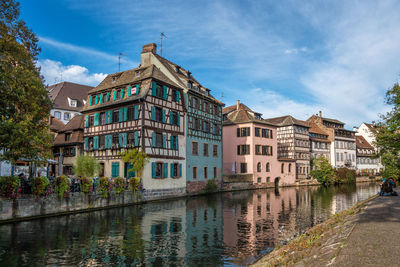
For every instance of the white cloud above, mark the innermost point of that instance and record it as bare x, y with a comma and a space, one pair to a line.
55, 71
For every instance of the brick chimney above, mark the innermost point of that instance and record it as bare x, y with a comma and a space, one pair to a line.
147, 53
320, 114
237, 104
150, 48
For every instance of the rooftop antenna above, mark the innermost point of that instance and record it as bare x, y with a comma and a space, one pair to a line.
119, 60
161, 38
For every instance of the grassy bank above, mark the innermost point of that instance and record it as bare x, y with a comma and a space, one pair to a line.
319, 244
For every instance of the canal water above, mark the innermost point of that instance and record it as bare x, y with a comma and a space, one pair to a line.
231, 229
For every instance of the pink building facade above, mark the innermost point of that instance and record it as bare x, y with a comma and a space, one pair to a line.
250, 149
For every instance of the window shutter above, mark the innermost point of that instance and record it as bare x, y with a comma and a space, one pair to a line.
179, 118
165, 170
96, 99
137, 89
170, 116
101, 98
153, 139
107, 97
86, 143
96, 142
154, 88
121, 114
136, 138
96, 119
90, 100
163, 115
125, 114
136, 112
238, 133
110, 117
87, 121
129, 90
122, 93
110, 140
73, 151
176, 142
105, 142
172, 170
165, 96
178, 95
171, 142
164, 141
153, 170
153, 113
115, 95
125, 137
180, 169
120, 141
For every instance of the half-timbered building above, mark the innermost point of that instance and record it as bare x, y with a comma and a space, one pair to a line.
139, 108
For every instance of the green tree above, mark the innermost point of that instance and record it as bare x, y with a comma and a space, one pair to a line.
323, 171
24, 103
391, 163
86, 166
137, 158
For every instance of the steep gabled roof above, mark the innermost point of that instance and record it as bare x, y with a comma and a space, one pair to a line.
60, 92
332, 120
55, 124
75, 123
243, 115
287, 120
234, 107
315, 129
75, 128
362, 143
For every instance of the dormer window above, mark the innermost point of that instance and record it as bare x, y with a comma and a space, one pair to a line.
177, 69
190, 84
67, 136
188, 74
114, 79
73, 103
137, 73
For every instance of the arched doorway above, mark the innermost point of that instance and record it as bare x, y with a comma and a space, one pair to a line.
276, 182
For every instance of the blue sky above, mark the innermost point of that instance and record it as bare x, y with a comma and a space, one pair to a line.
277, 57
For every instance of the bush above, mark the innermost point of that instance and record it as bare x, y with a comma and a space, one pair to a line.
323, 171
211, 186
119, 185
61, 186
86, 184
345, 175
134, 184
9, 187
105, 186
41, 186
86, 166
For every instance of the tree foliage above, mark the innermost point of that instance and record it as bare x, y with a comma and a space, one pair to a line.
137, 158
24, 103
391, 163
87, 166
323, 171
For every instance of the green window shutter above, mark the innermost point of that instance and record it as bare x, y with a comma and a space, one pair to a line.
130, 173
163, 115
107, 97
165, 95
165, 170
110, 140
115, 95
97, 99
171, 142
122, 93
125, 138
172, 169
90, 100
179, 118
137, 89
136, 138
129, 90
125, 114
178, 95
154, 88
115, 169
120, 140
86, 143
110, 120
164, 141
96, 142
153, 170
136, 112
153, 139
180, 170
96, 119
121, 114
153, 113
87, 121
105, 142
101, 99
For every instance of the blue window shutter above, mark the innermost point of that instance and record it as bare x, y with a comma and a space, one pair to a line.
163, 115
87, 121
172, 169
122, 93
96, 99
154, 88
153, 139
96, 119
125, 114
180, 170
165, 170
115, 95
129, 90
121, 114
178, 118
164, 141
153, 113
136, 138
170, 116
125, 138
137, 89
105, 142
153, 169
108, 97
90, 100
178, 95
165, 96
136, 112
86, 143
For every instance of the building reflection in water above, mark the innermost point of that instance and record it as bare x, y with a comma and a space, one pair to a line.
229, 228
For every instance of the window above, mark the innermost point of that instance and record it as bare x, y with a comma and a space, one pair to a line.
215, 172
91, 121
267, 150
131, 113
290, 168
73, 103
243, 167
205, 172
259, 167
101, 141
131, 139
67, 136
174, 142
115, 169
195, 148
196, 124
159, 114
205, 150
90, 143
57, 114
259, 180
206, 126
194, 172
216, 110
175, 170
195, 102
282, 167
115, 140
268, 179
243, 149
159, 140
257, 131
102, 118
243, 131
215, 150
206, 107
159, 170
258, 150
267, 167
174, 118
67, 115
159, 91
115, 117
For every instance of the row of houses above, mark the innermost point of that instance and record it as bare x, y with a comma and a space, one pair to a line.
189, 137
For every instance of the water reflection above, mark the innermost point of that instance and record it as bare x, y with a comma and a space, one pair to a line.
224, 229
